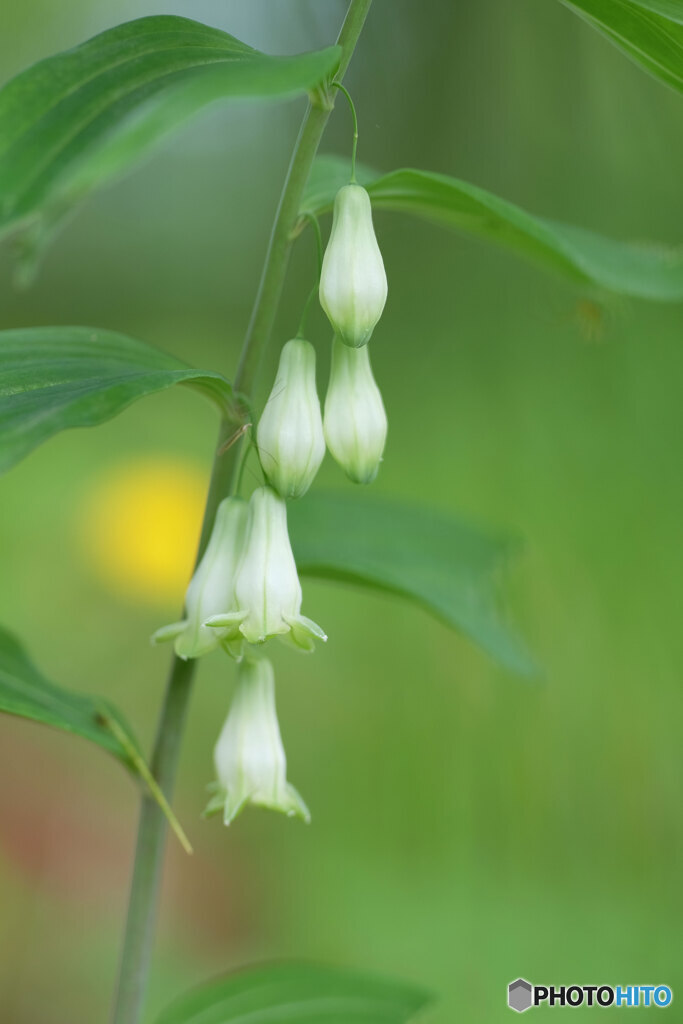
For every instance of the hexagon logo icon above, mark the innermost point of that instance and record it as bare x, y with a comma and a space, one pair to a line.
520, 995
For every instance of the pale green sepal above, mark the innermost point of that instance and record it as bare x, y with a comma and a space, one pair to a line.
225, 621
234, 648
303, 633
191, 644
311, 627
167, 633
291, 804
233, 806
258, 638
216, 801
294, 806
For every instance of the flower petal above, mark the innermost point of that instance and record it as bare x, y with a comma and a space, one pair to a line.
166, 633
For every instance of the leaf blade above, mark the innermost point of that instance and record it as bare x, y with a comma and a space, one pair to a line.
58, 378
644, 271
26, 693
441, 563
73, 120
293, 993
650, 32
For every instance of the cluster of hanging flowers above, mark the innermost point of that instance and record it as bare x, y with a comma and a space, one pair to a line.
246, 589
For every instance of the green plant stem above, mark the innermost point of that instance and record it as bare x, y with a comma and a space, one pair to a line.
352, 105
313, 220
144, 894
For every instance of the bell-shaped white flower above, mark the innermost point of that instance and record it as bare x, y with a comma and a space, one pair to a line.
249, 757
290, 438
353, 284
355, 422
267, 588
212, 589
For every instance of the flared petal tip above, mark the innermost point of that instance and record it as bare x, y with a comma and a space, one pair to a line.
231, 806
303, 633
167, 633
295, 807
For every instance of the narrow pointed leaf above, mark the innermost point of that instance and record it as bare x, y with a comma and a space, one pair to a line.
54, 378
672, 9
292, 994
443, 564
637, 269
72, 121
650, 32
25, 692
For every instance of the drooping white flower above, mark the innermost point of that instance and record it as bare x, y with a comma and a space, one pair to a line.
212, 588
290, 432
353, 284
249, 756
267, 588
354, 422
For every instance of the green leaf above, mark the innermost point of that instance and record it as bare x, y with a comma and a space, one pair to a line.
672, 9
25, 692
445, 565
54, 378
292, 994
640, 270
650, 32
69, 123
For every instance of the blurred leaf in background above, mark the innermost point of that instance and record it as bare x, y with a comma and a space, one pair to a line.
295, 992
56, 378
640, 270
74, 120
650, 32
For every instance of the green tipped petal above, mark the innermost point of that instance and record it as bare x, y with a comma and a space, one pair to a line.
355, 422
228, 620
296, 807
353, 283
168, 633
250, 759
290, 432
234, 803
211, 589
267, 587
303, 633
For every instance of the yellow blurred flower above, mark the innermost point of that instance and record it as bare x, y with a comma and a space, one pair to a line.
140, 527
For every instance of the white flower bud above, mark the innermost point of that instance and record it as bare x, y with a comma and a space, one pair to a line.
355, 422
290, 432
353, 284
250, 760
212, 588
267, 587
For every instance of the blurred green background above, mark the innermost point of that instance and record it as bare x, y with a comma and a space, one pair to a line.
468, 827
